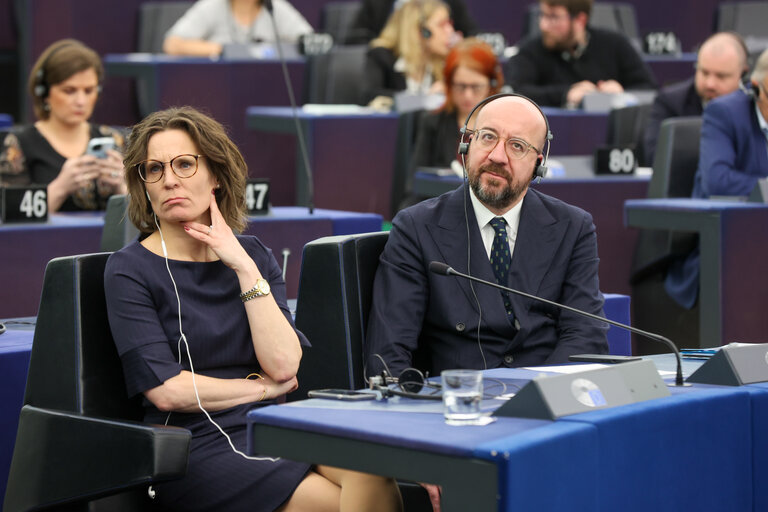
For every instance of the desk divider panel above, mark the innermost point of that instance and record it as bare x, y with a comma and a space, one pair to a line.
550, 397
735, 365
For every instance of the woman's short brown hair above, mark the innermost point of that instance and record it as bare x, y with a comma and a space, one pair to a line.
222, 156
57, 63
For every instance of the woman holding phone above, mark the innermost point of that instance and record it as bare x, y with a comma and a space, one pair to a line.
56, 150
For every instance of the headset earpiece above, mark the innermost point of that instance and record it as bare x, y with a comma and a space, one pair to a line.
425, 32
539, 169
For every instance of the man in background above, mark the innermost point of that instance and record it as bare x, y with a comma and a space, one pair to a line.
733, 156
721, 65
569, 59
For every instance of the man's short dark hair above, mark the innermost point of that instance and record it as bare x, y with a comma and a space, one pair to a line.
574, 7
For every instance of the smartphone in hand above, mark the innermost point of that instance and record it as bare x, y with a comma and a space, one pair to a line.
99, 146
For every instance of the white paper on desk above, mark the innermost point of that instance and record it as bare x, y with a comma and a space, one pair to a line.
566, 368
576, 368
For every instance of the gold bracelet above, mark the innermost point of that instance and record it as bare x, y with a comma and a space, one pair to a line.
258, 377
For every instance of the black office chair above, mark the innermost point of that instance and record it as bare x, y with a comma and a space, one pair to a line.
80, 443
746, 19
627, 125
155, 19
336, 77
616, 16
338, 19
118, 230
674, 169
335, 292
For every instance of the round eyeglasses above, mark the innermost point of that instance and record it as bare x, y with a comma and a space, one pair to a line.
183, 166
515, 148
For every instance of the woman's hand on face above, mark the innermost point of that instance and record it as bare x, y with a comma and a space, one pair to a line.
111, 171
78, 171
220, 238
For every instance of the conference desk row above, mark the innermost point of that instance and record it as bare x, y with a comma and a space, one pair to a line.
25, 249
339, 144
704, 448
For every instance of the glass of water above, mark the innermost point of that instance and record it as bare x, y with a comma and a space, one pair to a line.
462, 393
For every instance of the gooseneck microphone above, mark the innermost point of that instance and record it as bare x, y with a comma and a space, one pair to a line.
267, 4
440, 268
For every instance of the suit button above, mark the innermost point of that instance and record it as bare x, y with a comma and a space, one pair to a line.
460, 327
508, 359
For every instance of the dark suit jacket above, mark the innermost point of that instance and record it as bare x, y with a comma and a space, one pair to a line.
676, 100
431, 322
545, 75
733, 155
380, 78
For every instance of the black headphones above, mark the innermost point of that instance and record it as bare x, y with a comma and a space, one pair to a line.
42, 88
540, 169
410, 382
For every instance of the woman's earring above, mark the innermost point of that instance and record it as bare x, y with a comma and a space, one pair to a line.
47, 106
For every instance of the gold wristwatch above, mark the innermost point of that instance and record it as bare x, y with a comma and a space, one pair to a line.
259, 290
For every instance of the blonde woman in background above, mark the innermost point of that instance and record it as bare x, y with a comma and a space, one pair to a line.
410, 52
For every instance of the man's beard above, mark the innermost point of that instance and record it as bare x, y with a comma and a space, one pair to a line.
566, 44
500, 197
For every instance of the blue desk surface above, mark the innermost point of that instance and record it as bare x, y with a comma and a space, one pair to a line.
694, 450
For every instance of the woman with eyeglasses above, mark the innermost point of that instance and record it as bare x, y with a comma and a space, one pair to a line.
210, 24
409, 53
64, 85
471, 73
199, 317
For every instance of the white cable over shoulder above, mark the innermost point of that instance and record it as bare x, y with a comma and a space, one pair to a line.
189, 357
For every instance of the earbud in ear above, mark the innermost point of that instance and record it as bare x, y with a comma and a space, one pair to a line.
426, 33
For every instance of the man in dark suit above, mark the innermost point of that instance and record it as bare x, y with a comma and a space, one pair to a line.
568, 59
733, 155
720, 66
435, 322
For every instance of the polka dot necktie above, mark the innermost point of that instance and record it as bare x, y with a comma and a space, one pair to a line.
501, 259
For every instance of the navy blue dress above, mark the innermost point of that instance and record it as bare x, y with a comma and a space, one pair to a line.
144, 321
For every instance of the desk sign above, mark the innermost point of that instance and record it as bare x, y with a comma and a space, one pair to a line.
28, 203
551, 397
615, 160
661, 43
735, 365
257, 196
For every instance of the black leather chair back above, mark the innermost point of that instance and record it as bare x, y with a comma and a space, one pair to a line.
79, 436
335, 291
155, 19
676, 158
336, 77
627, 125
338, 19
118, 230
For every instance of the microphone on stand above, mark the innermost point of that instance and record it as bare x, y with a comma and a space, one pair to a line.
267, 4
286, 253
440, 268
